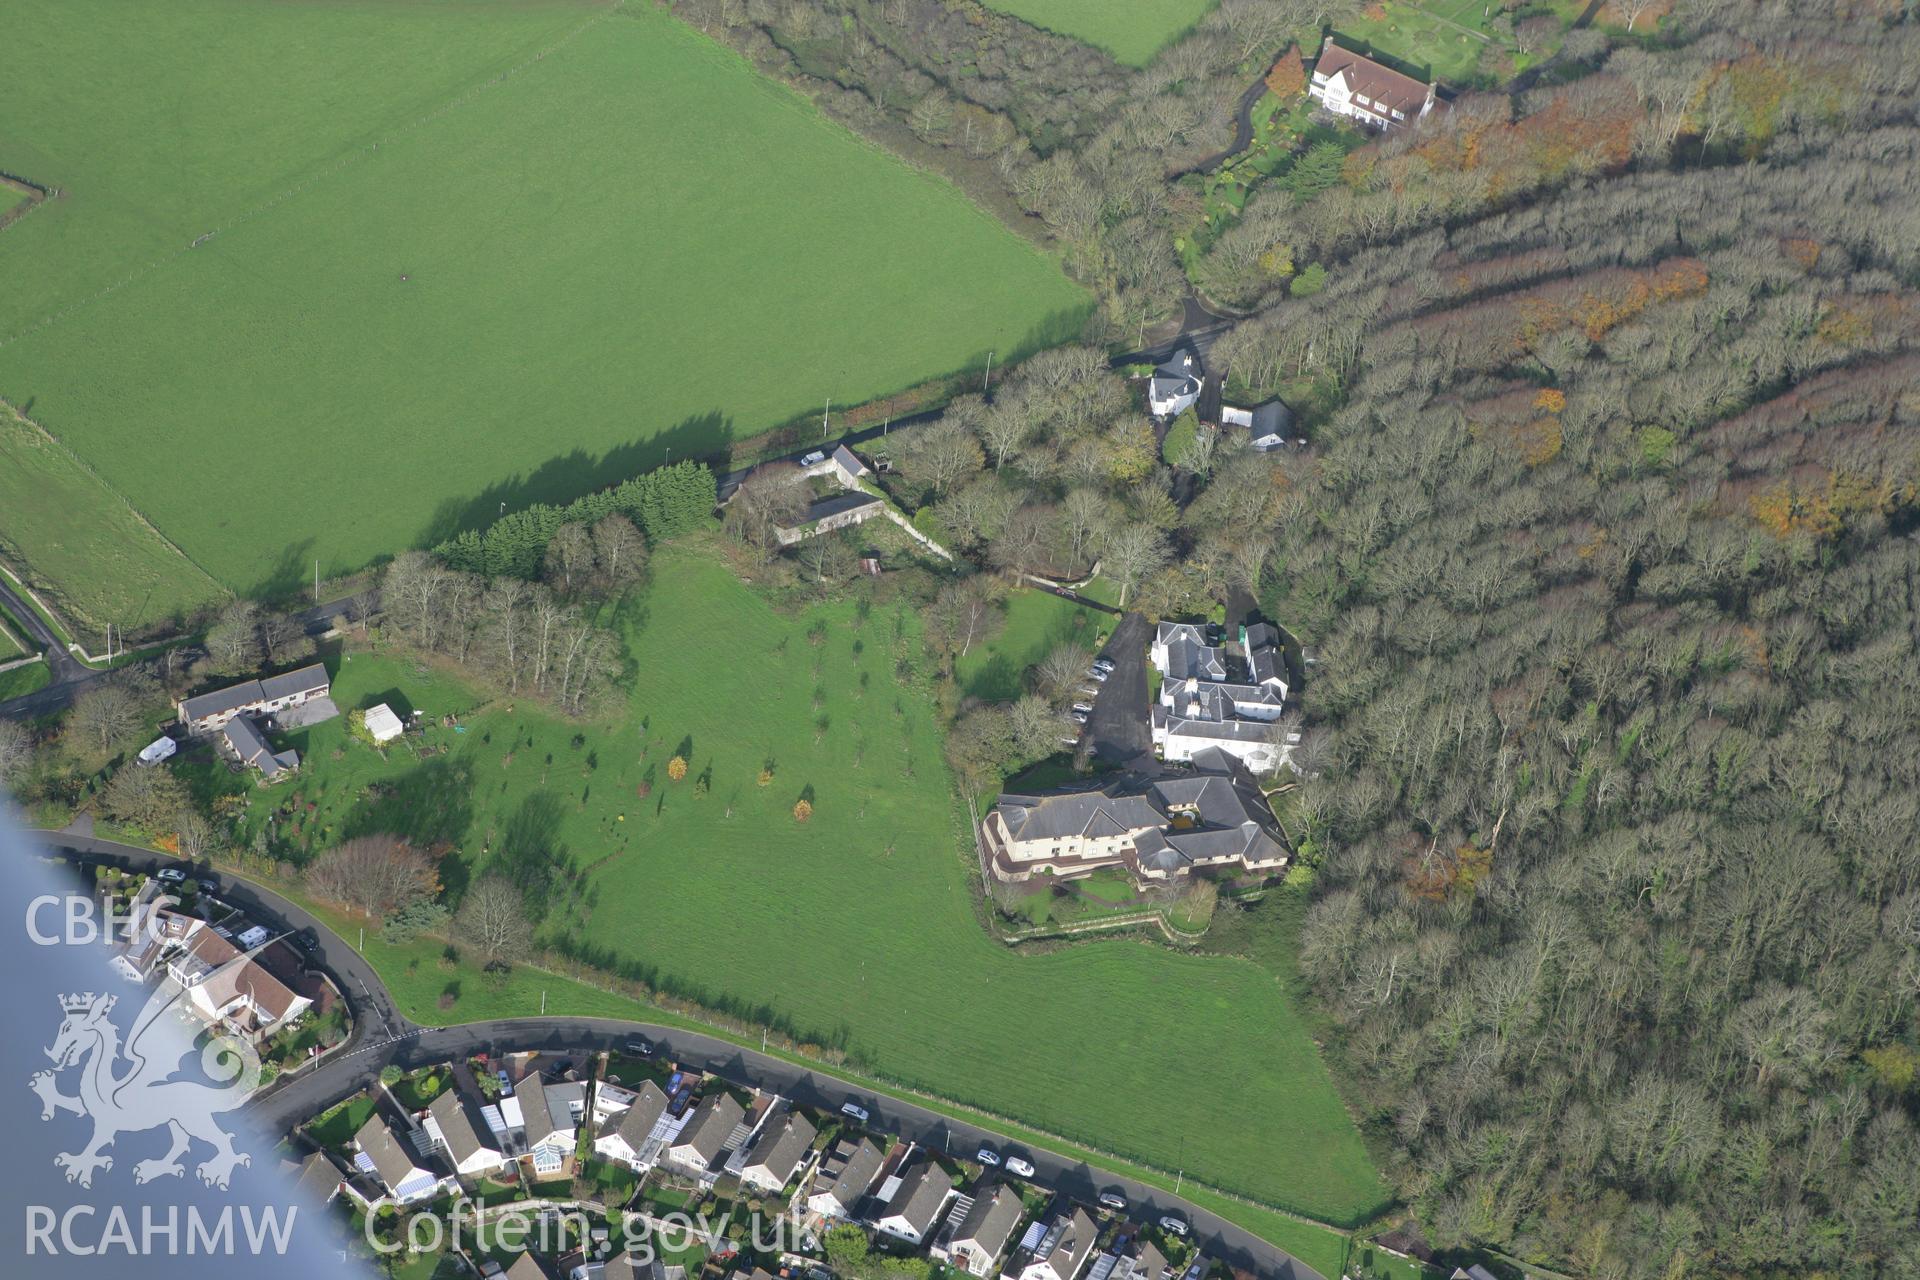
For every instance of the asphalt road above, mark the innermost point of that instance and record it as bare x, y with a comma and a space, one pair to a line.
382, 1035
1119, 726
71, 676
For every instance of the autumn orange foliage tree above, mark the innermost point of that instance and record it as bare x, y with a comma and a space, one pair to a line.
1288, 76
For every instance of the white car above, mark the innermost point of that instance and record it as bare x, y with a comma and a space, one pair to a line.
1173, 1226
1105, 664
813, 459
1113, 1200
171, 875
1085, 708
987, 1156
1019, 1168
1095, 673
855, 1111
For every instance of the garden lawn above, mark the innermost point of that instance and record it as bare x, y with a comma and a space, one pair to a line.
1132, 32
1444, 37
1036, 622
81, 546
854, 929
537, 283
23, 680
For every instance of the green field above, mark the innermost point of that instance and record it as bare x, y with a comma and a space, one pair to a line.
1131, 32
855, 929
1443, 37
533, 284
23, 680
79, 543
1036, 622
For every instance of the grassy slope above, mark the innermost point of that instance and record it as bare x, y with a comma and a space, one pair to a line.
634, 243
1131, 32
70, 534
856, 927
21, 681
1425, 35
1036, 621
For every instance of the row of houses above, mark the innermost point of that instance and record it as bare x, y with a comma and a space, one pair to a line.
240, 716
696, 1129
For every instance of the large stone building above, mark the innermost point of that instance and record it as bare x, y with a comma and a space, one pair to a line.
1157, 832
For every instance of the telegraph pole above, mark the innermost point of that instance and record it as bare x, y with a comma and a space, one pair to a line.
823, 417
988, 380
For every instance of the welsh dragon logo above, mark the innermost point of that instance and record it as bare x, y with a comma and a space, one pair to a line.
144, 1096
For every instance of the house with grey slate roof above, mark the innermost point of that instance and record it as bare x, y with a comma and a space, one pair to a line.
843, 1178
916, 1203
625, 1134
775, 1155
1176, 383
974, 1240
1158, 831
1216, 697
207, 712
451, 1127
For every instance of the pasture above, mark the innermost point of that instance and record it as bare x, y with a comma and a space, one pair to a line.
81, 546
1131, 32
854, 929
385, 310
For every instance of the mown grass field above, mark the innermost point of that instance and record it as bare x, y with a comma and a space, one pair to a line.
81, 545
1445, 37
531, 284
855, 928
1036, 622
1131, 32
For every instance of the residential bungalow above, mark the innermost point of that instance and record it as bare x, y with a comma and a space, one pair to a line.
915, 1205
1062, 1251
1139, 1260
843, 1178
449, 1125
245, 742
316, 1180
527, 1267
698, 1146
243, 997
1267, 424
776, 1154
207, 712
1158, 831
624, 1135
385, 1157
623, 1266
824, 515
1349, 84
550, 1115
973, 1240
1176, 383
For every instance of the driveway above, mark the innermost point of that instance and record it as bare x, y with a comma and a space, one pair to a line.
1119, 727
382, 1035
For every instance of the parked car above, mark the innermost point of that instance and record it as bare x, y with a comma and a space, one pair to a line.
170, 875
1173, 1226
1113, 1200
209, 886
1079, 717
1095, 673
640, 1048
1083, 706
813, 459
988, 1157
1019, 1168
1105, 664
855, 1111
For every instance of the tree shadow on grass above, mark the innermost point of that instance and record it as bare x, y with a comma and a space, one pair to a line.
530, 854
429, 805
559, 480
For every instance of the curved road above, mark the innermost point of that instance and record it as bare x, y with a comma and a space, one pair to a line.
383, 1035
